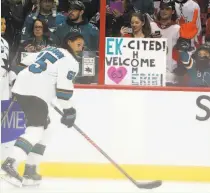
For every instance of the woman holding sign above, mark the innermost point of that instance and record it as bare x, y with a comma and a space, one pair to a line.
140, 27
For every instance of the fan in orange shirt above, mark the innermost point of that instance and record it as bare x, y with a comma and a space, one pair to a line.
140, 27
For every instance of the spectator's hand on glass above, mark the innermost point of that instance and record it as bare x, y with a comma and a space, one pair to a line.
123, 31
116, 13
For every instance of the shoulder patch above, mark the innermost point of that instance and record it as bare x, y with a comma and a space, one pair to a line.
71, 75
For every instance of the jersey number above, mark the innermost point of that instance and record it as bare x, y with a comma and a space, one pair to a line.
41, 64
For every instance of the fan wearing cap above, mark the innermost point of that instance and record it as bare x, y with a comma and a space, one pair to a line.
198, 70
46, 13
77, 23
166, 27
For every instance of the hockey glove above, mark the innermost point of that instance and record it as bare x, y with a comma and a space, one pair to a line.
69, 117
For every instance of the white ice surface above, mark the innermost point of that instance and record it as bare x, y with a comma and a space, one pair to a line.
103, 186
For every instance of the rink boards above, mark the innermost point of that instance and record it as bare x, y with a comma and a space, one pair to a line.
152, 134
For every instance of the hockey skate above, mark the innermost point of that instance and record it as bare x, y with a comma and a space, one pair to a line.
30, 176
11, 175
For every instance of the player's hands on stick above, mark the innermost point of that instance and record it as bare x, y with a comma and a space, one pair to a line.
69, 117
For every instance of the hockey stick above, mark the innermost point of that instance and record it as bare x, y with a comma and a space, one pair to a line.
8, 110
146, 185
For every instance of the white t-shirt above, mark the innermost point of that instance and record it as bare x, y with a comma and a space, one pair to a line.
171, 33
48, 74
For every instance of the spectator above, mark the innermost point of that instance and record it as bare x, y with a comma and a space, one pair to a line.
39, 38
47, 14
117, 15
185, 10
76, 23
92, 7
140, 27
166, 27
199, 68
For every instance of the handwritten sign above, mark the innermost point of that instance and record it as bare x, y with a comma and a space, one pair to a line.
135, 61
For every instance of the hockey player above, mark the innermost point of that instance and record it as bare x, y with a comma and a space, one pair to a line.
7, 76
47, 76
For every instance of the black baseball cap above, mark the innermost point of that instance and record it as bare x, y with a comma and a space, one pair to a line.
76, 5
167, 4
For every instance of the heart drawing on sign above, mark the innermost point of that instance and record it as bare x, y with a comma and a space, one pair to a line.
117, 74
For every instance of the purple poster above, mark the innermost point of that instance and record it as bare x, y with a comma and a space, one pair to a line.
14, 123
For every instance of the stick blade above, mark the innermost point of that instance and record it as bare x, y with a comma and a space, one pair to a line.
149, 185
